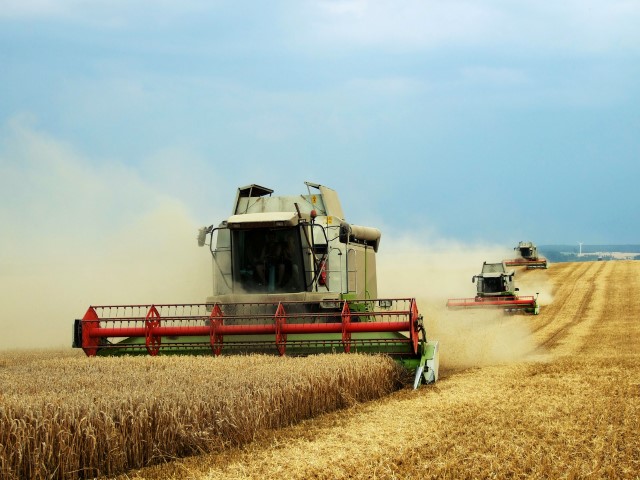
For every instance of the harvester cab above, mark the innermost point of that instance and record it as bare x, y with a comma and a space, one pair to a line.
291, 248
495, 281
528, 257
290, 277
496, 289
527, 250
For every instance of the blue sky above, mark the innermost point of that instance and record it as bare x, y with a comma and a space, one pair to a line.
478, 121
125, 125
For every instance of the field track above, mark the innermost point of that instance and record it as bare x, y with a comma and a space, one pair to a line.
568, 408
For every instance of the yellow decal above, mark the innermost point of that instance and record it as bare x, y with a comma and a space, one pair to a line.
313, 199
329, 220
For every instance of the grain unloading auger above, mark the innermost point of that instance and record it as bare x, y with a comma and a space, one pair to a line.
290, 277
528, 257
496, 289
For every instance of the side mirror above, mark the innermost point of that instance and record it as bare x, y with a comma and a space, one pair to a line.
202, 235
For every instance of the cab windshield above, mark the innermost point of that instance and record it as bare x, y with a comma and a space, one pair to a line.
267, 260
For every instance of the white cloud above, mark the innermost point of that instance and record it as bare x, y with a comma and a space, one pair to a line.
32, 8
570, 25
107, 13
576, 25
408, 24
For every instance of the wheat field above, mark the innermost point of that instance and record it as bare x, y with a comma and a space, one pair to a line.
63, 415
550, 396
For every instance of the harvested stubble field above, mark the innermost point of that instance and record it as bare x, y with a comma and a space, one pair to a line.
568, 406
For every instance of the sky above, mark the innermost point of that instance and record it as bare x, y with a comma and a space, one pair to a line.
126, 125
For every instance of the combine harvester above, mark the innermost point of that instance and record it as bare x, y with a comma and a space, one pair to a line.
496, 289
528, 257
290, 277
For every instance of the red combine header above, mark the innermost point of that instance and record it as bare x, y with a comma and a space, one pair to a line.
276, 328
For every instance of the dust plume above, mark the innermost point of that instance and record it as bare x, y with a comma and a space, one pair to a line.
79, 232
433, 271
535, 282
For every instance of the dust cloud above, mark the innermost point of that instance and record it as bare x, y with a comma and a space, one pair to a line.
77, 232
433, 271
535, 282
